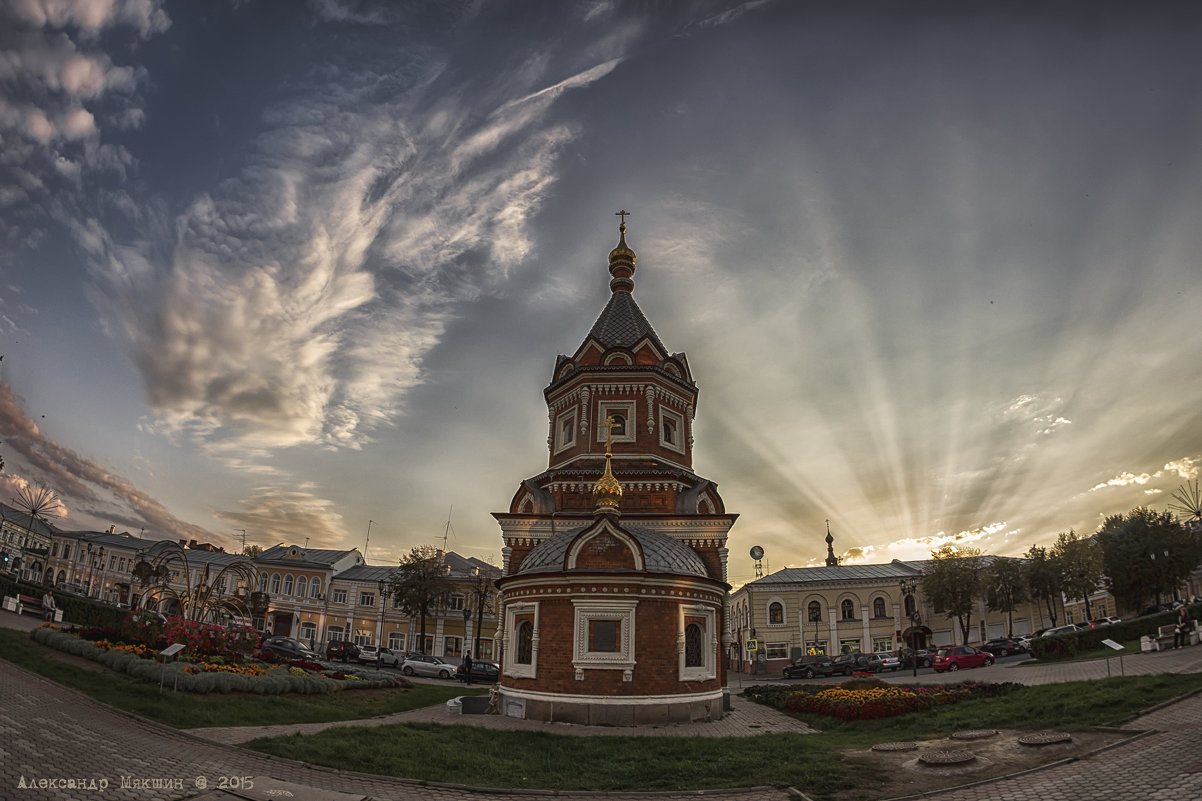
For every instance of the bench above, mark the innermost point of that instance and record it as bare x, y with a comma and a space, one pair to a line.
1164, 638
28, 603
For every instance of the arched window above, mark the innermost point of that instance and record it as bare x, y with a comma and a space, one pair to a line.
669, 432
878, 607
847, 610
288, 584
619, 429
525, 649
275, 583
692, 645
776, 612
315, 588
815, 612
302, 587
262, 582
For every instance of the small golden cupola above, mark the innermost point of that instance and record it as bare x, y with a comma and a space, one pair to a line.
621, 261
607, 492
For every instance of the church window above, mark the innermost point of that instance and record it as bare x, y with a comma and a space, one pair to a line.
692, 645
621, 412
878, 607
525, 646
288, 584
619, 425
847, 610
776, 613
814, 612
565, 430
603, 636
671, 426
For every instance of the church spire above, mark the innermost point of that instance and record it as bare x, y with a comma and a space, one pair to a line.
621, 260
831, 559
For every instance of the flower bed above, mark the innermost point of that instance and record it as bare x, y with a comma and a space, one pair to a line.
214, 674
871, 699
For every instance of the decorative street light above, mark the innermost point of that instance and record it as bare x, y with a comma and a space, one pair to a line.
908, 587
385, 589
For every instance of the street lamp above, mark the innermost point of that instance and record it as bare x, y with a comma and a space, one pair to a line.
385, 591
908, 587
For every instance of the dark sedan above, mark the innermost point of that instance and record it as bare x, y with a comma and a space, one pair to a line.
482, 671
289, 648
1003, 646
809, 667
848, 664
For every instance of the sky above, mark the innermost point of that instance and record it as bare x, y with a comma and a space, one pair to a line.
299, 271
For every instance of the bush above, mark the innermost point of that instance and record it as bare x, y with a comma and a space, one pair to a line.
870, 699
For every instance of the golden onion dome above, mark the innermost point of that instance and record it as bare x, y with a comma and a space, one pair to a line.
621, 262
607, 492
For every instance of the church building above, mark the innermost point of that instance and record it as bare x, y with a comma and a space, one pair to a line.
614, 594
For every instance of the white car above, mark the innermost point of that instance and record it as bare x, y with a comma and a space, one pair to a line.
383, 657
890, 662
1069, 629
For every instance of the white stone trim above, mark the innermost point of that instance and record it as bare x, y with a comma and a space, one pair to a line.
611, 700
561, 443
677, 420
709, 643
588, 610
627, 410
512, 667
784, 612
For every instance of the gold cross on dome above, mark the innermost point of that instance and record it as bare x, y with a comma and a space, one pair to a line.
623, 214
609, 425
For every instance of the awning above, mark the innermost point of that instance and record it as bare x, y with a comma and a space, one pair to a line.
916, 631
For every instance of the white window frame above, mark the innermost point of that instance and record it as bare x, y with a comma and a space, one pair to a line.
677, 420
396, 641
624, 408
882, 645
708, 669
588, 610
784, 612
455, 602
563, 443
338, 596
776, 650
367, 598
513, 668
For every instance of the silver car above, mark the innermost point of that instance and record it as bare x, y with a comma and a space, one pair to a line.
382, 657
426, 665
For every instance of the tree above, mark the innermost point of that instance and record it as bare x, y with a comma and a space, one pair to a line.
252, 550
1079, 560
953, 582
1043, 579
1005, 588
422, 584
1146, 555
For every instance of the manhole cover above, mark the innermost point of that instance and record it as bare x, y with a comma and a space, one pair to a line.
976, 734
945, 758
1045, 738
895, 747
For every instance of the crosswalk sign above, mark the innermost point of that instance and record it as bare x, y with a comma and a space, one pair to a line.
753, 645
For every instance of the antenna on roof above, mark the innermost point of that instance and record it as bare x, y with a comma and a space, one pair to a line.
447, 530
365, 542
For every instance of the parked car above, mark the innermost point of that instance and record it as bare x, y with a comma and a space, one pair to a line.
483, 671
290, 648
961, 656
426, 665
1004, 646
383, 657
922, 656
342, 650
848, 664
809, 666
1052, 632
1102, 622
890, 662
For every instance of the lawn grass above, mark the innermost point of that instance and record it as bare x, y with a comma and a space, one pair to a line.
512, 759
189, 710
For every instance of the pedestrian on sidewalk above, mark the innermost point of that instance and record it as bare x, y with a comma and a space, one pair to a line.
466, 667
1185, 625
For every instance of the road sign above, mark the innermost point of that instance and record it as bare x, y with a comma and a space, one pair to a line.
753, 645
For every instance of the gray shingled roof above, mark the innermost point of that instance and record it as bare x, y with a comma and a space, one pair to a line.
623, 325
277, 553
805, 575
661, 553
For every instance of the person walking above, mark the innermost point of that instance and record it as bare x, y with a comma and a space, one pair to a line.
1185, 625
467, 667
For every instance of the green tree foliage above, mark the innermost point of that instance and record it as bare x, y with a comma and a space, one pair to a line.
252, 550
1043, 580
1146, 555
422, 585
1079, 560
953, 582
1005, 588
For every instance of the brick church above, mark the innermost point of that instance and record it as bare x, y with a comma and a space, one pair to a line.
614, 594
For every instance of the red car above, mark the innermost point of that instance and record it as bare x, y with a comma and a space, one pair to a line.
961, 656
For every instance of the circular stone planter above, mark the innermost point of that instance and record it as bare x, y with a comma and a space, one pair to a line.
946, 758
1045, 738
976, 734
889, 747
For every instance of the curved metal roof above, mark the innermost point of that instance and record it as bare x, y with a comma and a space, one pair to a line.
661, 554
